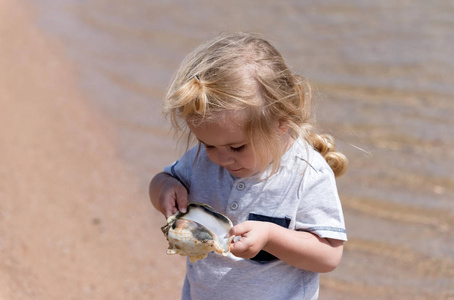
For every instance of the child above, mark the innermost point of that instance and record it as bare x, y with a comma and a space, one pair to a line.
255, 162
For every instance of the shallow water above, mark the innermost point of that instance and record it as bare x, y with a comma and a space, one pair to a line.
383, 73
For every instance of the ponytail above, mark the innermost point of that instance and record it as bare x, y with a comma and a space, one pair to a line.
191, 98
325, 145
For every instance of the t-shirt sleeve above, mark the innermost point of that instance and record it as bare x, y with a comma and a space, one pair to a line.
320, 210
182, 168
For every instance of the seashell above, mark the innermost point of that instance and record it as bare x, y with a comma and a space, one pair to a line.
197, 232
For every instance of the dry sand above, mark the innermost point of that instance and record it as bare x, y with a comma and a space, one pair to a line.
73, 223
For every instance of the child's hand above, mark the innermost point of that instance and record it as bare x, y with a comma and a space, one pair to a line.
253, 237
168, 195
173, 198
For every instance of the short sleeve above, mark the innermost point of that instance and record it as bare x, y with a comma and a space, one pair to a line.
320, 210
182, 168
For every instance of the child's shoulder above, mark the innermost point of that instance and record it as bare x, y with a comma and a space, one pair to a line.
310, 157
197, 156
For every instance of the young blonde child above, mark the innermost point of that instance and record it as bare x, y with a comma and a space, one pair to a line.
258, 162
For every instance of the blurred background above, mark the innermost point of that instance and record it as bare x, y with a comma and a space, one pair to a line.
83, 135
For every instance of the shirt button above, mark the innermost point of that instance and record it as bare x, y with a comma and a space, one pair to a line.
234, 206
240, 186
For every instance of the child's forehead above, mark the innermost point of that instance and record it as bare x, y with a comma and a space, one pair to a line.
231, 117
228, 119
228, 128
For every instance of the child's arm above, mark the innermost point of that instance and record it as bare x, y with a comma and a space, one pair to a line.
301, 249
167, 194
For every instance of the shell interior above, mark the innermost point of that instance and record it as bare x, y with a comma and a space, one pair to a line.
198, 231
216, 223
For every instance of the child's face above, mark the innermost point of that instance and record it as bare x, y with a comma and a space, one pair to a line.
227, 145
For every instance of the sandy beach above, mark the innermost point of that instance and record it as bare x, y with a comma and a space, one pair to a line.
73, 223
81, 135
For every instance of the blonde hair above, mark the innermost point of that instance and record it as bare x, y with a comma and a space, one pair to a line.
243, 73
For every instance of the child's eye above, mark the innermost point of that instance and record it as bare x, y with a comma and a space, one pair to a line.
208, 147
237, 149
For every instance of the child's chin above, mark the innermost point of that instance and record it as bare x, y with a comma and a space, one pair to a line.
239, 172
242, 173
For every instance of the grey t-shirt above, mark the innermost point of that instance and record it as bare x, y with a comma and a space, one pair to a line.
301, 196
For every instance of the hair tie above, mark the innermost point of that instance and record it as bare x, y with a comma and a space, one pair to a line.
196, 77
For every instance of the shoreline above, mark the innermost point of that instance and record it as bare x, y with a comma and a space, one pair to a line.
74, 223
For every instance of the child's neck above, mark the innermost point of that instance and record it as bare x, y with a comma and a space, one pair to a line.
288, 142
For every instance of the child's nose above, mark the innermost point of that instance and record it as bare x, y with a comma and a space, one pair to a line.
225, 158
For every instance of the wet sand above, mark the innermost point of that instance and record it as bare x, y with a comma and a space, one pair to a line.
73, 224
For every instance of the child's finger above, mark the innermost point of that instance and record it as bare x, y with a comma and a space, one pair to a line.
238, 247
169, 210
239, 229
181, 198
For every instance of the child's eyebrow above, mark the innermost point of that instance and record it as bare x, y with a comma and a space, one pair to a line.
240, 143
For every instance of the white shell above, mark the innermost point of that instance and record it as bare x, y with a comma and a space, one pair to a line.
197, 232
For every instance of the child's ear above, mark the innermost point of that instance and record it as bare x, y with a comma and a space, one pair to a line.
283, 126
